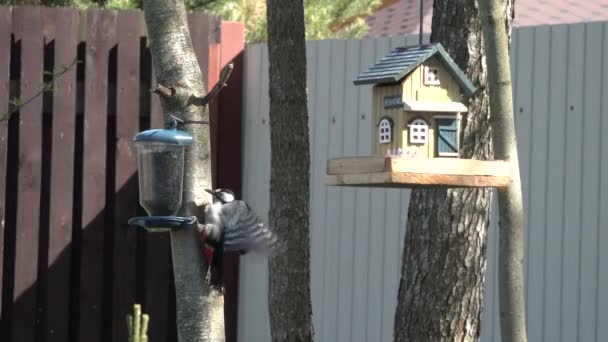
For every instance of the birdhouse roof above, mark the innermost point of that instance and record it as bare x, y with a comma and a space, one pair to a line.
398, 63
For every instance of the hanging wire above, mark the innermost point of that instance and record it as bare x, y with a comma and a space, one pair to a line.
421, 21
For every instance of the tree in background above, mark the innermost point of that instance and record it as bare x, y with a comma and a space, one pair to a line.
111, 4
444, 258
510, 207
323, 18
289, 284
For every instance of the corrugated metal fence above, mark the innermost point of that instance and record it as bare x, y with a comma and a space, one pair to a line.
561, 101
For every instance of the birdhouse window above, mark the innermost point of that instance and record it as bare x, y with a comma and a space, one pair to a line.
431, 76
384, 131
418, 132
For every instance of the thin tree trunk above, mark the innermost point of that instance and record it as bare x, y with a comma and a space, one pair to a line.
200, 312
444, 258
289, 283
510, 208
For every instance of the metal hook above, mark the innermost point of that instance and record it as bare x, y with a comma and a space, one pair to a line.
177, 123
174, 122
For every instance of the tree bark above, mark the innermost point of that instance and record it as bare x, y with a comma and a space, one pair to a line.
444, 258
510, 207
289, 283
200, 311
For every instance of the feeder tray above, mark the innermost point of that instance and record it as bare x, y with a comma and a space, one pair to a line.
159, 224
407, 172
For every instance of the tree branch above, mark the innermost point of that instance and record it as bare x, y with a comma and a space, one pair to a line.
511, 296
203, 101
163, 90
46, 86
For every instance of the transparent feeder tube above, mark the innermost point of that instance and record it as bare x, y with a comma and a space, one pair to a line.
161, 169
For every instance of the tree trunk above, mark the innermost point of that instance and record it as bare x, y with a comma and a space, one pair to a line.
200, 312
510, 207
444, 258
289, 283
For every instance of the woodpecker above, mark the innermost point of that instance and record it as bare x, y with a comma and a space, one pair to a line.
230, 226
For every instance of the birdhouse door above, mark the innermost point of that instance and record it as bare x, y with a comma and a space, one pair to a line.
447, 137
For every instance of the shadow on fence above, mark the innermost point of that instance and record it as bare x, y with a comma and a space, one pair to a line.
71, 268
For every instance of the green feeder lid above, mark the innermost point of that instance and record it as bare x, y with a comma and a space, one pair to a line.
167, 136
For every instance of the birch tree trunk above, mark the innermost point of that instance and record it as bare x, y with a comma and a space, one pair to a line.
510, 207
200, 311
289, 283
444, 258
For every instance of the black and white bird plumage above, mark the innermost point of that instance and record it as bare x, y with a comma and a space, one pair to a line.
231, 226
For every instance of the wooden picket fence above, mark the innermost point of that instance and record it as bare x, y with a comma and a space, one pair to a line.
70, 267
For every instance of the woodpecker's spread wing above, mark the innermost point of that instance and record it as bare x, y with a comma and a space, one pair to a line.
244, 230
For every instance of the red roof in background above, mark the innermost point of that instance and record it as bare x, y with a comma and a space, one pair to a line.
402, 18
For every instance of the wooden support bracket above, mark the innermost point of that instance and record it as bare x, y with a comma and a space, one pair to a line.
406, 172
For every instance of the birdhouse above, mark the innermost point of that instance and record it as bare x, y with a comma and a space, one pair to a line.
418, 101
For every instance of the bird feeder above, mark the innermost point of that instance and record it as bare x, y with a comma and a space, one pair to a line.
160, 155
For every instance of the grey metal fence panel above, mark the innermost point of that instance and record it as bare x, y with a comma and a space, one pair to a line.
536, 186
555, 186
560, 76
253, 317
602, 287
591, 177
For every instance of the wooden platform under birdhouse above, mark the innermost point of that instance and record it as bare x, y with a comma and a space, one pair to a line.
406, 172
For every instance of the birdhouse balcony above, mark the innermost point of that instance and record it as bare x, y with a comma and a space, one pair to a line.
406, 172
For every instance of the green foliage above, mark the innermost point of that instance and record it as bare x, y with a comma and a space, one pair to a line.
122, 4
111, 4
323, 18
52, 3
251, 12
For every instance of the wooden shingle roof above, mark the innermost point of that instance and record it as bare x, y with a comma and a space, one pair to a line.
398, 63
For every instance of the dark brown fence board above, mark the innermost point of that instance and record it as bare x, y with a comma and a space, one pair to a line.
157, 119
5, 55
47, 21
48, 16
100, 39
27, 29
229, 153
158, 279
213, 76
125, 192
158, 276
200, 26
62, 177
